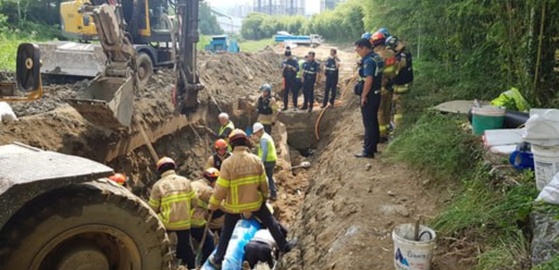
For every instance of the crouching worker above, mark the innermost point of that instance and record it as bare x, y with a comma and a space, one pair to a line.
204, 189
262, 248
171, 198
243, 185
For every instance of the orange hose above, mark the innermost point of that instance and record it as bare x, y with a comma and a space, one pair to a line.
317, 124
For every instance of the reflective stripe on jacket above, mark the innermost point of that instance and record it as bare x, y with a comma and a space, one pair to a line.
172, 198
203, 194
242, 183
271, 154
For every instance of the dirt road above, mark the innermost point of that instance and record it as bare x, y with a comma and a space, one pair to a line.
352, 205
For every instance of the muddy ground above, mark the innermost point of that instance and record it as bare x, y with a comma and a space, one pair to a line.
342, 210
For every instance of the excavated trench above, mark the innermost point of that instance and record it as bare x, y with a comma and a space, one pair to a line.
233, 82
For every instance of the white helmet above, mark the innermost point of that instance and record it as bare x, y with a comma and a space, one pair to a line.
257, 127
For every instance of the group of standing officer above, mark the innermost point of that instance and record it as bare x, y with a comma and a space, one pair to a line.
305, 74
386, 73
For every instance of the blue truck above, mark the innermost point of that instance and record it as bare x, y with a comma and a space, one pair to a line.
222, 43
311, 40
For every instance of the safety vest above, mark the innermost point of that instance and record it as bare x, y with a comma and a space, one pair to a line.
301, 62
224, 127
377, 77
218, 161
264, 105
330, 67
272, 155
310, 69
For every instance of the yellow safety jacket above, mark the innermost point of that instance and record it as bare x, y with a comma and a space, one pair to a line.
200, 212
172, 198
271, 155
224, 127
242, 183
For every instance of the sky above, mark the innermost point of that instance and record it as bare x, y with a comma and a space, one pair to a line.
311, 6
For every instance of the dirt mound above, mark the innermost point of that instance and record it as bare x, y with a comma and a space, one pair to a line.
239, 75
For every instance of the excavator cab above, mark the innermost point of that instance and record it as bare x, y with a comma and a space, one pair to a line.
28, 85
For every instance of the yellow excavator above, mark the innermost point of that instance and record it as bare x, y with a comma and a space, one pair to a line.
60, 211
148, 25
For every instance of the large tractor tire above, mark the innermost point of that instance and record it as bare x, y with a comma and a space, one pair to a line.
92, 226
145, 68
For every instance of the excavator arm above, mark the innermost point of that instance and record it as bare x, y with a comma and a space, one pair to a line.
108, 101
187, 80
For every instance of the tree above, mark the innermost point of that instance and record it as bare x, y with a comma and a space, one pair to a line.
208, 21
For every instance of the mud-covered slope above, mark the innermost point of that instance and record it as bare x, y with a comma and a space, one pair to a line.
51, 124
352, 204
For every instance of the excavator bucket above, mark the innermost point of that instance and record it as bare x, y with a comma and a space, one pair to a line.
72, 59
107, 102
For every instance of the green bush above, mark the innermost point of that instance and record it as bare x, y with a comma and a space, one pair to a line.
437, 144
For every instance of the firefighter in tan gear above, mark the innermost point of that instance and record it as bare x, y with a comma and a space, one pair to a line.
404, 78
378, 40
217, 158
242, 187
204, 190
172, 198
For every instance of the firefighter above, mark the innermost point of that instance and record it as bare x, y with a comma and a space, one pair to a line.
204, 190
171, 198
404, 78
290, 68
266, 108
368, 89
211, 175
221, 153
378, 40
331, 71
242, 187
119, 178
267, 154
311, 73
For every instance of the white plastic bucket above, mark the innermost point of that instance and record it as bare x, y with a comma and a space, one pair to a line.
410, 254
546, 164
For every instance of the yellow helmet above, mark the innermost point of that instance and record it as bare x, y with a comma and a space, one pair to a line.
165, 161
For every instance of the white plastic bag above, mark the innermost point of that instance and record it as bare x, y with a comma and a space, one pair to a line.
550, 193
6, 113
543, 127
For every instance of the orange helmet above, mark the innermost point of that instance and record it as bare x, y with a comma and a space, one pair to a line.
165, 161
378, 39
237, 134
221, 143
211, 174
119, 178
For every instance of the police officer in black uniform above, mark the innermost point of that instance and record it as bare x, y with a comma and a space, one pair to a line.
290, 68
331, 71
311, 69
369, 91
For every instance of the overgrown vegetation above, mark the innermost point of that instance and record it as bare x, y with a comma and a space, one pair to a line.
261, 26
11, 37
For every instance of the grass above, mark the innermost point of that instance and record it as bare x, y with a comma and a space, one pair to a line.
255, 45
11, 37
487, 213
251, 46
